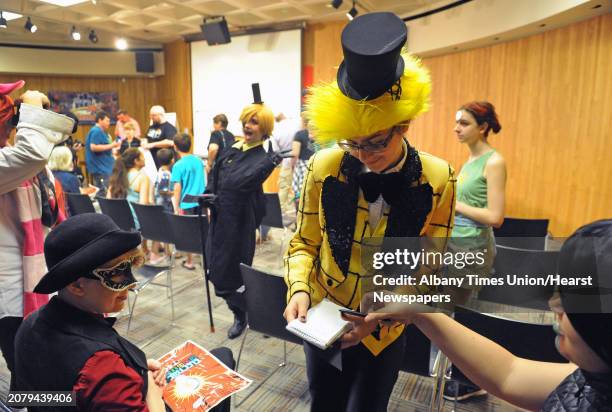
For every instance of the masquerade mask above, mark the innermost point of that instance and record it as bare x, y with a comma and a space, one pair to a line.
116, 278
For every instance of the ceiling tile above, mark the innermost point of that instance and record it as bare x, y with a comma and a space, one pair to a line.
168, 20
284, 13
211, 7
243, 19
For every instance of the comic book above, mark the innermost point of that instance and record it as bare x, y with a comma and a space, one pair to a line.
196, 380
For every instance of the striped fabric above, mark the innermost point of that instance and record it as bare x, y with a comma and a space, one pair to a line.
34, 267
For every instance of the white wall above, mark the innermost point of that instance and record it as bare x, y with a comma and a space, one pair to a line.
221, 78
483, 22
77, 62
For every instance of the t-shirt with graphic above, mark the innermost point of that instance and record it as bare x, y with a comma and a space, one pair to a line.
157, 133
162, 183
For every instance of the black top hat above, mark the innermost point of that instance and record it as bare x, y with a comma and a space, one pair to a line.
372, 44
256, 93
81, 244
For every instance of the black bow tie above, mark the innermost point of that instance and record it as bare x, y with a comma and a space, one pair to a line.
388, 185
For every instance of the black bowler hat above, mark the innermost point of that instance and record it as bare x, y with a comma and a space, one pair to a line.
81, 244
588, 252
372, 44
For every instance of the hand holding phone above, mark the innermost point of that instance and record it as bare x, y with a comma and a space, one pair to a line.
353, 312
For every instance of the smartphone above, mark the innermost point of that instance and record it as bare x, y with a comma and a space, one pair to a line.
353, 312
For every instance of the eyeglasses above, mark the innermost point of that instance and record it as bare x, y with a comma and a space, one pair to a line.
369, 147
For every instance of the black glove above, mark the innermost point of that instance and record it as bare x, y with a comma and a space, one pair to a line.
277, 157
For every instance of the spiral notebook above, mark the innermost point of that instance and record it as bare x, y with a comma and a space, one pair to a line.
323, 325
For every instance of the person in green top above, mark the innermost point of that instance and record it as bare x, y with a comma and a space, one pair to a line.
481, 186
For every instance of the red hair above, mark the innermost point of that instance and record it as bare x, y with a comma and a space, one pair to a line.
483, 112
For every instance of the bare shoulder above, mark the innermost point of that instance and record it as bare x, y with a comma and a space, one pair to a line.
496, 161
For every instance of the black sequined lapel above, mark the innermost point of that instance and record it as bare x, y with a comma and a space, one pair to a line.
339, 201
409, 210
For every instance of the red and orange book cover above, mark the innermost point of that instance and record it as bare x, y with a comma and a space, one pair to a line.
196, 380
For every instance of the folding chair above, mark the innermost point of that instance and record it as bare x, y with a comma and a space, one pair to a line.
79, 203
527, 340
119, 210
274, 216
265, 300
417, 360
512, 261
187, 237
153, 226
522, 233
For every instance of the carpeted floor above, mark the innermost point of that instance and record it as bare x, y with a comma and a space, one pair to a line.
287, 390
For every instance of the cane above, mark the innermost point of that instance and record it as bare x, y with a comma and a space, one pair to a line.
204, 201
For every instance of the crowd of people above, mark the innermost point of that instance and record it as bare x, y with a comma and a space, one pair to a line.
367, 182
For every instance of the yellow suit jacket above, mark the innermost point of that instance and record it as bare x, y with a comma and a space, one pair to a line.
324, 255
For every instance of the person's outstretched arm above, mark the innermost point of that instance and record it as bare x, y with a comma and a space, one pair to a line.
522, 382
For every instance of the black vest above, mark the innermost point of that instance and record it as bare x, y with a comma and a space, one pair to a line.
54, 343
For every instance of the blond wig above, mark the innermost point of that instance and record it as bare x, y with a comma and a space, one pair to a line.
334, 116
265, 117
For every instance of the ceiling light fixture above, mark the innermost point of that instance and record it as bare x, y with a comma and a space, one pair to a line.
352, 12
336, 3
8, 16
29, 26
75, 34
121, 43
93, 37
3, 23
64, 3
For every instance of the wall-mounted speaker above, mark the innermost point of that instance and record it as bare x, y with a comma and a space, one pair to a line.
215, 31
145, 62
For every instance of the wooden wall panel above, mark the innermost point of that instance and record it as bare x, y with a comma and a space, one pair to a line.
553, 93
175, 85
136, 94
322, 49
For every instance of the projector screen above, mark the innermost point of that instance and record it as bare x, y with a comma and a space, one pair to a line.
221, 78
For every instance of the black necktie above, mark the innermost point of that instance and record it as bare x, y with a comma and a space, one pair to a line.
388, 185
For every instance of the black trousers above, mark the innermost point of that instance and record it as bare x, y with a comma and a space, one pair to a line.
224, 355
8, 330
235, 301
364, 384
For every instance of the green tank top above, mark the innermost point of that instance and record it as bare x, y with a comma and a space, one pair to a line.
472, 190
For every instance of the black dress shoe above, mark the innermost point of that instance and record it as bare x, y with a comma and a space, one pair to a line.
237, 328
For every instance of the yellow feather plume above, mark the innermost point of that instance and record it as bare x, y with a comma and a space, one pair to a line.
333, 116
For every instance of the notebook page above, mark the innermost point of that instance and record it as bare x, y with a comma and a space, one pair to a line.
323, 324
